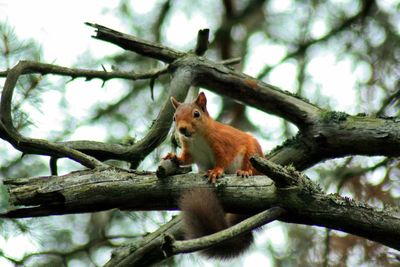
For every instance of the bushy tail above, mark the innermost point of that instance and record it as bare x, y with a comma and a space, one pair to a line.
203, 215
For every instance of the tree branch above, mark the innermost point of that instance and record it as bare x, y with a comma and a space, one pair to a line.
95, 190
73, 193
134, 44
220, 79
174, 247
336, 135
331, 211
302, 48
323, 134
43, 68
202, 42
88, 153
162, 243
148, 250
31, 145
179, 86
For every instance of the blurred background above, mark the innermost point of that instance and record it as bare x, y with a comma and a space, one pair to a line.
340, 54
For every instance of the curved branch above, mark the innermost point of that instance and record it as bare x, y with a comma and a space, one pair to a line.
31, 145
89, 153
103, 151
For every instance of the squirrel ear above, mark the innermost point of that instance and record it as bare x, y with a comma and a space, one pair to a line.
175, 103
201, 101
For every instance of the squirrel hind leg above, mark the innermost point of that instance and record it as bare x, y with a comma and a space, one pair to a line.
247, 169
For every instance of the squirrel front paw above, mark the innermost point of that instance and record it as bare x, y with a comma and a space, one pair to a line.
244, 173
169, 156
173, 157
214, 174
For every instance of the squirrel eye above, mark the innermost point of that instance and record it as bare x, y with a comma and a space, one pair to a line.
196, 114
174, 118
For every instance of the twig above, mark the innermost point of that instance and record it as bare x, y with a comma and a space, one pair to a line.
43, 68
202, 42
157, 27
302, 48
282, 176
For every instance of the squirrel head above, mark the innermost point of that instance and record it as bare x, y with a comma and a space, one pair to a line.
190, 118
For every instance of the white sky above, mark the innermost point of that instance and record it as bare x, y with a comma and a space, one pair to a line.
59, 27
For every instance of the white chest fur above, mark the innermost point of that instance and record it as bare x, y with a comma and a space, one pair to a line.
203, 156
201, 153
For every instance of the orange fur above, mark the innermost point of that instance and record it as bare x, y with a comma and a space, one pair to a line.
215, 148
225, 142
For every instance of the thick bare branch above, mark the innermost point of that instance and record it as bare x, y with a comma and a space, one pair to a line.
221, 79
95, 190
73, 193
252, 92
336, 135
323, 134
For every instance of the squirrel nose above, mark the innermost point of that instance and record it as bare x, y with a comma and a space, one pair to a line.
184, 131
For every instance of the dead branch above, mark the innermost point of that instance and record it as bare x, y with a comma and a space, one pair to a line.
43, 69
95, 190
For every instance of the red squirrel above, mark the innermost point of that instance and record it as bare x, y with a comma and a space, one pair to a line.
216, 148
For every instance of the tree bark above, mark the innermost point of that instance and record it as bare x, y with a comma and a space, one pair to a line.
95, 190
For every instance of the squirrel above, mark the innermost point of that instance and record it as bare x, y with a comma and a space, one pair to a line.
216, 148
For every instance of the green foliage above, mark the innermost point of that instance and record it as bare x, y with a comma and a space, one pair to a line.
333, 116
292, 141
